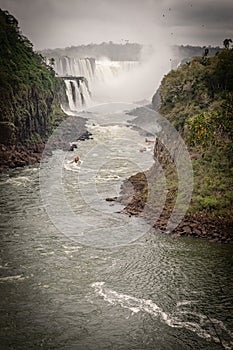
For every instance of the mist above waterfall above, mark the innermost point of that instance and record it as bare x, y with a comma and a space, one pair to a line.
106, 80
56, 24
138, 82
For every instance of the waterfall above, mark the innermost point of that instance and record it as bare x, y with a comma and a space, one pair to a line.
85, 92
107, 70
91, 69
83, 67
78, 93
101, 75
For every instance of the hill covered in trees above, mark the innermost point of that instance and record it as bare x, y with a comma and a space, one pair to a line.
197, 98
30, 93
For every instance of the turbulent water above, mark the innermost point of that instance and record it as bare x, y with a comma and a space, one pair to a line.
63, 289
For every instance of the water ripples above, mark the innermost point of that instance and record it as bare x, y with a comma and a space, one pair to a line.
157, 293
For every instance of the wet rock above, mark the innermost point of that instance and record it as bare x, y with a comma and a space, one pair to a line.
187, 229
72, 147
15, 155
20, 155
198, 225
111, 199
85, 136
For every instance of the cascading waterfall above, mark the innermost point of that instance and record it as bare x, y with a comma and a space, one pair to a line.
76, 74
74, 98
80, 73
83, 67
78, 93
91, 69
107, 70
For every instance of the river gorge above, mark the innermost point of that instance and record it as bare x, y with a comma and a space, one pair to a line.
116, 182
96, 278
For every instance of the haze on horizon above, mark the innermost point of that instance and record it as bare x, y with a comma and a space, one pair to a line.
59, 24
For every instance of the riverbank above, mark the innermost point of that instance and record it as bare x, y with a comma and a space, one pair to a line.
199, 224
20, 155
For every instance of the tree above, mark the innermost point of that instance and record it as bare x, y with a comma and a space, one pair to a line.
226, 43
52, 62
204, 59
206, 52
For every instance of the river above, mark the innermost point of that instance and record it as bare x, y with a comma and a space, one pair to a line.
78, 274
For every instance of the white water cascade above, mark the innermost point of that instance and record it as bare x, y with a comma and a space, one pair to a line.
99, 75
91, 69
83, 67
78, 93
111, 81
107, 70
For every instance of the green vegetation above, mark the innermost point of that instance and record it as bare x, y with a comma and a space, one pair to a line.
29, 91
198, 99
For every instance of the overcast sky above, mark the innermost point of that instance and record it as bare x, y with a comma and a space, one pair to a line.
62, 23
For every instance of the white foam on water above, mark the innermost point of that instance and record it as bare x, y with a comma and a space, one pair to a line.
4, 267
18, 181
72, 166
185, 302
12, 278
205, 327
70, 250
109, 177
129, 302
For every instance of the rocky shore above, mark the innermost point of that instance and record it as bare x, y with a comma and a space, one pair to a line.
198, 225
20, 155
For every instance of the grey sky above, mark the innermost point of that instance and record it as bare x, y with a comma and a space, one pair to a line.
61, 23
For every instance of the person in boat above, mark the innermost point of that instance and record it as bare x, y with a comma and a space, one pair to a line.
76, 160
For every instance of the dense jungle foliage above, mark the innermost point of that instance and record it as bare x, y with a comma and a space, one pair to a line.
29, 91
198, 99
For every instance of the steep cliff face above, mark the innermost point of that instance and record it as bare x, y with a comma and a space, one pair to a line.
30, 93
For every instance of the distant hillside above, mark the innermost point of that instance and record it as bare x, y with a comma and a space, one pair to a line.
182, 53
126, 52
115, 52
29, 91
